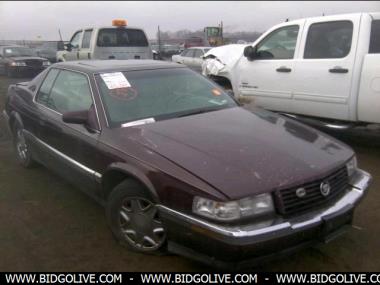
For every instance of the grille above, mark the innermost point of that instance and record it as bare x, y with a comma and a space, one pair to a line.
33, 62
288, 203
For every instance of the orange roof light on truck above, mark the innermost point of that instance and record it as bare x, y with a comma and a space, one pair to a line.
119, 23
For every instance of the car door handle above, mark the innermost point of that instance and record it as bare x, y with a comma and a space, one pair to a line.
283, 69
338, 69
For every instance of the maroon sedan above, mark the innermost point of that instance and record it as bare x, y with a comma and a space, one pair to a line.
180, 166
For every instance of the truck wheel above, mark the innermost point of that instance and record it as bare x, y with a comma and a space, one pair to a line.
23, 152
134, 219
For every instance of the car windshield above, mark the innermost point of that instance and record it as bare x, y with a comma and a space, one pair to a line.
17, 51
158, 94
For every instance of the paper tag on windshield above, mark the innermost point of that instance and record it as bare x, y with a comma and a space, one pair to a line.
115, 80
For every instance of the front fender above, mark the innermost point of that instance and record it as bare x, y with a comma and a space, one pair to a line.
134, 172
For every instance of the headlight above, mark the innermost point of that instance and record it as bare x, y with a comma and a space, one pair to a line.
234, 210
18, 63
46, 63
352, 166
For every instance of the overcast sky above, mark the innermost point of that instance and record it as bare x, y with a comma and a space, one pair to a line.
41, 20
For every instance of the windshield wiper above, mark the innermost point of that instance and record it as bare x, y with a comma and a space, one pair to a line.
200, 111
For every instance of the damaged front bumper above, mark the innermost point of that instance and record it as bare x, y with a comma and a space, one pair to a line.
244, 246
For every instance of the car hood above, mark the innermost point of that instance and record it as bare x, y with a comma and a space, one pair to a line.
242, 153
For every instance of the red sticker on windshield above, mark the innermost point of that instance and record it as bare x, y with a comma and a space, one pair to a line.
216, 92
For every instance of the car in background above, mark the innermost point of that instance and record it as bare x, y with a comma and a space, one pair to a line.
191, 57
19, 60
116, 42
49, 50
180, 166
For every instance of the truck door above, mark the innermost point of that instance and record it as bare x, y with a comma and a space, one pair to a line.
269, 76
85, 48
369, 92
324, 70
73, 53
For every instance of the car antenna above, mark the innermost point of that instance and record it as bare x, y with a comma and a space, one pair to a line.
60, 36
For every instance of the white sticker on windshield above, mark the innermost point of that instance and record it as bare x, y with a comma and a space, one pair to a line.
8, 51
115, 80
216, 102
139, 122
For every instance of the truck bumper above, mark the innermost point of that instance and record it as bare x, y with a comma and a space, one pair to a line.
236, 247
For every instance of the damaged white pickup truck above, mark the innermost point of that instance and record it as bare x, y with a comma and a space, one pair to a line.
325, 68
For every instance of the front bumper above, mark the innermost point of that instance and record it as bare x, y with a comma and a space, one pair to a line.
244, 246
27, 69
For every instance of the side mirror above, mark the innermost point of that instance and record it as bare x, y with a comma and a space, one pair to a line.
87, 118
68, 46
76, 117
250, 52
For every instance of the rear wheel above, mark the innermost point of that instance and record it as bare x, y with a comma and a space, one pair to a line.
23, 153
134, 218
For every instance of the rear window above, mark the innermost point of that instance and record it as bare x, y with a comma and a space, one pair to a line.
121, 37
374, 45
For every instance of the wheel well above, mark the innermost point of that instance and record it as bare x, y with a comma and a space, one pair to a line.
222, 81
114, 177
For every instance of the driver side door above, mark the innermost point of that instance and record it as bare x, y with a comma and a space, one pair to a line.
75, 42
269, 77
68, 149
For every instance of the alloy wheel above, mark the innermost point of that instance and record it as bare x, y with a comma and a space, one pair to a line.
140, 224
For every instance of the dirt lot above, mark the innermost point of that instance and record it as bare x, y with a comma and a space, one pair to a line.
48, 225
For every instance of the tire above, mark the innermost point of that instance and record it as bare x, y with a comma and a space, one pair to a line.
134, 218
23, 152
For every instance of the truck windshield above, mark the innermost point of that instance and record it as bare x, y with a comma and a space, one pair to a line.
121, 37
158, 95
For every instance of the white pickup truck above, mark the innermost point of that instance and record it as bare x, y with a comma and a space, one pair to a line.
326, 67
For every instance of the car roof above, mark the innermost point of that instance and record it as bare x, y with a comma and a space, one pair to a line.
97, 66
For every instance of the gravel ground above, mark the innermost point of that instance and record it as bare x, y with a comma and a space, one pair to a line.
48, 225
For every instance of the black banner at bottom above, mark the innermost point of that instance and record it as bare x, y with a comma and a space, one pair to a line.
189, 278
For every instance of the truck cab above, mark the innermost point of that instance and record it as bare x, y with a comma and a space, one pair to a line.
324, 67
115, 42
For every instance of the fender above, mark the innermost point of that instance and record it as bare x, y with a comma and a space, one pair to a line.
132, 172
15, 117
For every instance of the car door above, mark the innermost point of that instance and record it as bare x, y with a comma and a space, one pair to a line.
270, 75
325, 67
85, 48
188, 57
75, 42
68, 149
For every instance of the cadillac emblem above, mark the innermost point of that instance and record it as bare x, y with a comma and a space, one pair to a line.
325, 188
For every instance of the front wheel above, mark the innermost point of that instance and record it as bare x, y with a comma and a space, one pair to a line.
134, 218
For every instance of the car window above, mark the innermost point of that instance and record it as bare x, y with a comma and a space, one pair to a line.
184, 52
75, 39
70, 92
161, 94
86, 39
198, 53
120, 37
189, 53
329, 40
374, 45
279, 44
43, 93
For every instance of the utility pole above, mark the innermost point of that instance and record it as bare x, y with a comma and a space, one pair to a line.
60, 36
159, 40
